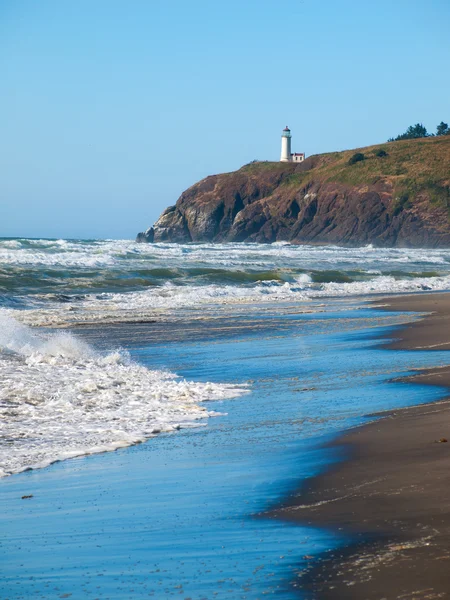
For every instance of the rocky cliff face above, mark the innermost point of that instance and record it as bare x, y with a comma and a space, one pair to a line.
401, 199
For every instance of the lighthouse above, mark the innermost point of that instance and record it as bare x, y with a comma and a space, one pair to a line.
286, 145
286, 154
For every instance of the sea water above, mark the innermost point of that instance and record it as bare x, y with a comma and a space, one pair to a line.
236, 392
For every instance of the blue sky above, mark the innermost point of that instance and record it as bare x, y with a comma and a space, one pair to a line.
110, 109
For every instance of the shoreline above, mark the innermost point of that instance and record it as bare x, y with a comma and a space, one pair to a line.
389, 497
85, 498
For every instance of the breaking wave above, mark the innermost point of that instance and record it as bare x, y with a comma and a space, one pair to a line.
171, 301
63, 282
60, 398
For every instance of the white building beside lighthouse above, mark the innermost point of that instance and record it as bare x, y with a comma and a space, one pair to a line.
286, 154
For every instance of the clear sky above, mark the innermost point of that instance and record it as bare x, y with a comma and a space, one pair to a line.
111, 108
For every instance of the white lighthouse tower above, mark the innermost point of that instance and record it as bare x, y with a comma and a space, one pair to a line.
286, 154
286, 145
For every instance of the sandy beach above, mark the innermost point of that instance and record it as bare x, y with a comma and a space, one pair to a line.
390, 499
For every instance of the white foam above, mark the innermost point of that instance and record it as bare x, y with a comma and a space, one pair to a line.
172, 301
112, 252
384, 285
60, 399
107, 265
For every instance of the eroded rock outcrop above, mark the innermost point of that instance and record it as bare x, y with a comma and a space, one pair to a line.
401, 199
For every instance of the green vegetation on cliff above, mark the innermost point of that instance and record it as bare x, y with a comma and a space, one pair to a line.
412, 167
419, 131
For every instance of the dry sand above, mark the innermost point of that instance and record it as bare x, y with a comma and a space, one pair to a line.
392, 497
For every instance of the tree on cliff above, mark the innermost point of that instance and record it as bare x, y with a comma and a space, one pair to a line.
413, 132
442, 129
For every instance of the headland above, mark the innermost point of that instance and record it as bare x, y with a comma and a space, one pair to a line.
393, 194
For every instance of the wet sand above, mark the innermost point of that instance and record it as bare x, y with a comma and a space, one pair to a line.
391, 499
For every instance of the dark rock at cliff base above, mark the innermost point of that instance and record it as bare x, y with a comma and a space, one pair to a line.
146, 236
398, 199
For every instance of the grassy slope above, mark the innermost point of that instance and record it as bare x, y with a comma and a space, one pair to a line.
413, 167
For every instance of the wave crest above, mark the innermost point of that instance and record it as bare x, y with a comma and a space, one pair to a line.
60, 399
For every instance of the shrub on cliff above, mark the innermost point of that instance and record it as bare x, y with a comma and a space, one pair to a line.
358, 157
381, 153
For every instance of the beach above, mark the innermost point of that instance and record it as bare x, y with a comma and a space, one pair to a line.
391, 496
159, 403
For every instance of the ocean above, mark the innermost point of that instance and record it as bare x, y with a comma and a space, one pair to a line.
216, 373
